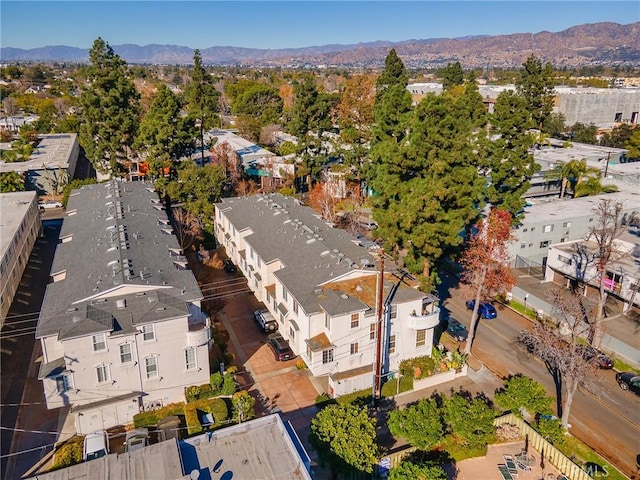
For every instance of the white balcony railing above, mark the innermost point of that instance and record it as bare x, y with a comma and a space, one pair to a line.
424, 321
195, 338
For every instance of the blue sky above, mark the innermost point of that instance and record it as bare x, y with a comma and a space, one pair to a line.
288, 24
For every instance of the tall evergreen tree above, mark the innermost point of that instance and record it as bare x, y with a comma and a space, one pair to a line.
509, 164
110, 105
426, 184
164, 134
452, 75
394, 73
202, 98
535, 85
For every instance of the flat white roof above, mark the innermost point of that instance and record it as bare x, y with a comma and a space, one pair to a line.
53, 151
13, 208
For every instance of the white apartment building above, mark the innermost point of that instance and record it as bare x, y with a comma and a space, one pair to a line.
569, 263
121, 327
20, 221
322, 287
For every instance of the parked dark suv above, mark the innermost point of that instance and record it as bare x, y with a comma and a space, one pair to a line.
280, 347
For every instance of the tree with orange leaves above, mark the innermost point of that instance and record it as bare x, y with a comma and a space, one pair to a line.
486, 263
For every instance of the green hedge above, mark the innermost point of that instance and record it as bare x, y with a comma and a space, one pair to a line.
390, 388
150, 419
218, 385
191, 411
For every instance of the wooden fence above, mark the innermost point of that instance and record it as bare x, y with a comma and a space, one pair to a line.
551, 453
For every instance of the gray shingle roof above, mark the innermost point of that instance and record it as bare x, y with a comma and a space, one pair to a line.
121, 248
313, 253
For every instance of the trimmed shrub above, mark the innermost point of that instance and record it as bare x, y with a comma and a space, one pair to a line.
148, 419
69, 454
228, 385
216, 381
390, 388
193, 422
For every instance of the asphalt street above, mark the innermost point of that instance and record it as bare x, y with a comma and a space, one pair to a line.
607, 419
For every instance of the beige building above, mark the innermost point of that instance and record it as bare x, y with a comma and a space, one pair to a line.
19, 225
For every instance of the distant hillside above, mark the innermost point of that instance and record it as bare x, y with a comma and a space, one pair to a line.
598, 43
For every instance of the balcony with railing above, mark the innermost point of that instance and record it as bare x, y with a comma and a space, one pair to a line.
427, 317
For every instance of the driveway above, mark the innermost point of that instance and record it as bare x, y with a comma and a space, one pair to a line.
278, 386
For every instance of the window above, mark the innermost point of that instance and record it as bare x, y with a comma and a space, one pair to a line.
64, 383
327, 321
392, 344
544, 244
102, 372
533, 229
421, 337
394, 311
190, 358
327, 356
618, 117
285, 295
354, 348
372, 331
125, 353
547, 228
148, 332
564, 239
292, 334
523, 245
565, 260
566, 224
525, 229
151, 367
295, 307
99, 342
355, 320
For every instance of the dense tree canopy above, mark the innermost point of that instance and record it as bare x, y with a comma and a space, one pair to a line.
452, 75
535, 84
345, 438
522, 392
426, 183
419, 424
510, 165
110, 106
202, 98
165, 135
11, 182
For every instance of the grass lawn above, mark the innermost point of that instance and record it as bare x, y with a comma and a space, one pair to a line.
582, 454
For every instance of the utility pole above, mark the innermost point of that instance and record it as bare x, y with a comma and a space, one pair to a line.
606, 167
379, 315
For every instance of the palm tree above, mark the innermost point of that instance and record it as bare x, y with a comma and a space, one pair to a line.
572, 174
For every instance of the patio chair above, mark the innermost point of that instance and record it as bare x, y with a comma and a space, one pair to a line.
524, 466
504, 471
510, 462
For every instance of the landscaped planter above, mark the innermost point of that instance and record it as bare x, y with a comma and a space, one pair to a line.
439, 378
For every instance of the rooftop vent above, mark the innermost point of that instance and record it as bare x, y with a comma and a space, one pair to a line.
121, 303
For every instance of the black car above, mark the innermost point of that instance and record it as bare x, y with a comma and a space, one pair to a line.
592, 354
629, 381
229, 267
457, 331
280, 347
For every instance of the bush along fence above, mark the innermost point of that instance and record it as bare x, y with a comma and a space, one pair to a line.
558, 459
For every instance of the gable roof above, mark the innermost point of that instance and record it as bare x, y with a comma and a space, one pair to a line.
122, 266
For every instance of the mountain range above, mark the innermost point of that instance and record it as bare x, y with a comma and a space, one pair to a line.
603, 43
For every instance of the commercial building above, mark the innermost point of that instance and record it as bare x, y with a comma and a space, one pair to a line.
121, 326
50, 166
324, 290
559, 221
20, 224
604, 107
